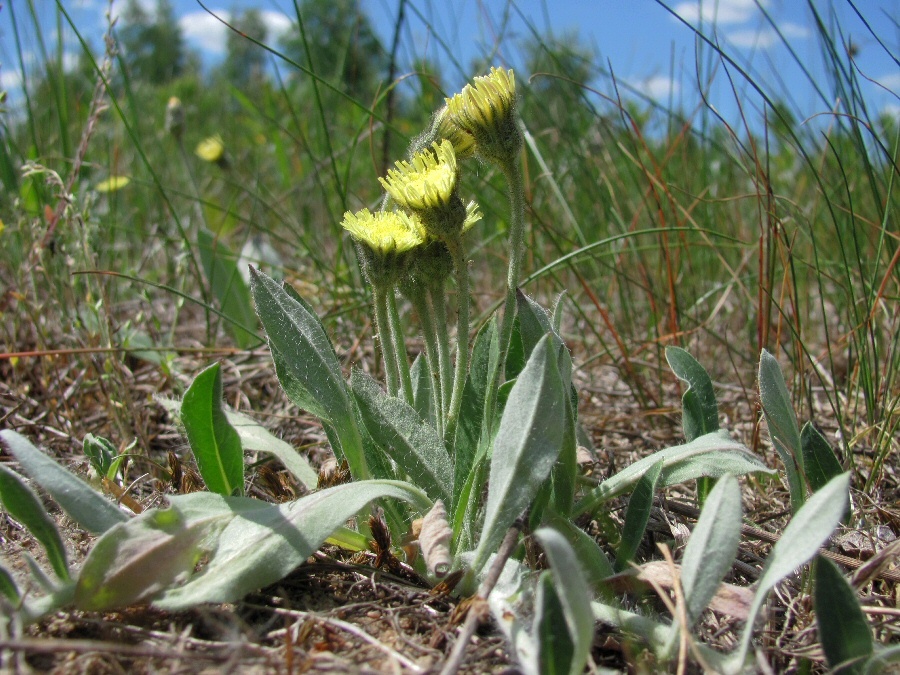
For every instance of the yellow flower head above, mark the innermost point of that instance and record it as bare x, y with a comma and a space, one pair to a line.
486, 109
112, 184
385, 232
473, 215
211, 149
445, 128
384, 240
428, 182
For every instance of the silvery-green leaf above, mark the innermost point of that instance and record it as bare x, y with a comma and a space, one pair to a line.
700, 413
638, 515
819, 460
246, 543
712, 547
782, 423
255, 436
844, 633
526, 445
808, 530
712, 454
413, 444
306, 356
83, 503
573, 593
23, 505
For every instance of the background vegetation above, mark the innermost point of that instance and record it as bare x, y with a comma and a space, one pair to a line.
664, 226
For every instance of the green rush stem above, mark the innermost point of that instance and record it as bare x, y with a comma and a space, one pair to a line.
513, 174
422, 305
437, 308
462, 338
399, 347
382, 326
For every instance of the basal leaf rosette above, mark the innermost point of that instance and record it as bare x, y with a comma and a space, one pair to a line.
486, 109
427, 186
384, 242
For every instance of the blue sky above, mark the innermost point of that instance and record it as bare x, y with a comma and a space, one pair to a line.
647, 47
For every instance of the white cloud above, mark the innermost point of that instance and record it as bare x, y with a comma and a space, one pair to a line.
277, 23
657, 87
208, 32
891, 110
205, 31
10, 79
718, 11
891, 82
764, 38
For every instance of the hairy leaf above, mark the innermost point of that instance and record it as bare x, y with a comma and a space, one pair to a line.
701, 412
712, 547
83, 503
819, 460
214, 442
246, 544
574, 595
23, 505
844, 633
555, 646
255, 436
526, 446
413, 444
638, 515
782, 423
712, 454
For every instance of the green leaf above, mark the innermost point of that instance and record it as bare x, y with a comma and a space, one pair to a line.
638, 515
782, 423
255, 436
844, 633
79, 500
712, 547
819, 460
700, 414
809, 528
423, 400
712, 454
214, 442
565, 471
227, 285
515, 355
414, 445
100, 452
534, 323
247, 545
23, 505
555, 646
305, 361
527, 444
8, 588
591, 557
573, 593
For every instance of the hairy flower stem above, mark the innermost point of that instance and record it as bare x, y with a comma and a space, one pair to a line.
399, 348
420, 302
513, 173
437, 308
462, 338
382, 327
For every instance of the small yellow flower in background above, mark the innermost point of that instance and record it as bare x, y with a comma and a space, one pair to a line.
211, 149
175, 117
386, 232
428, 182
486, 109
112, 184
